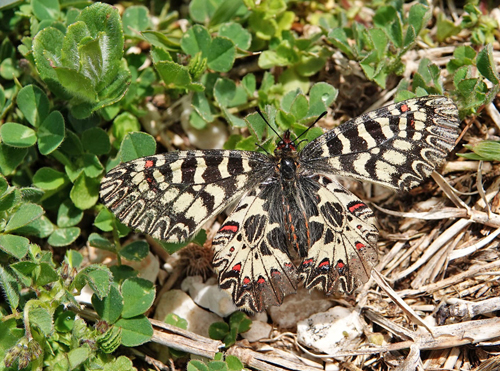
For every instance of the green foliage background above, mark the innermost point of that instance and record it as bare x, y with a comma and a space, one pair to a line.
78, 80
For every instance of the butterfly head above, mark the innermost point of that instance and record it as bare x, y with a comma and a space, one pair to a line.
285, 145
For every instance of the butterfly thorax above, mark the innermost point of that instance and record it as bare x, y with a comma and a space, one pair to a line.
286, 158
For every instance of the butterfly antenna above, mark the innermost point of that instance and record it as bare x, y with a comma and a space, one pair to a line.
310, 126
263, 118
262, 148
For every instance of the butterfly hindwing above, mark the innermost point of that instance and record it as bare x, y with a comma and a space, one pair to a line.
396, 146
251, 252
344, 242
170, 196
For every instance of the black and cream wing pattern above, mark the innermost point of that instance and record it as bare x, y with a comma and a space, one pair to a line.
294, 221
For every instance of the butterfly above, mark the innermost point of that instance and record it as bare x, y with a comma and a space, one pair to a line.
294, 221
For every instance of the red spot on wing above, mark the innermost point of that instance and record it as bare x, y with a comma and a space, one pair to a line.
354, 207
404, 108
261, 280
360, 246
149, 180
237, 267
276, 273
307, 262
246, 281
412, 123
231, 249
229, 227
149, 163
326, 263
340, 265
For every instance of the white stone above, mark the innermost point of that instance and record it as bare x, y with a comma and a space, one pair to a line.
330, 332
209, 295
298, 307
179, 303
258, 331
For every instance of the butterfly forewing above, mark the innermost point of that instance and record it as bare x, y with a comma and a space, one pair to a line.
397, 146
170, 196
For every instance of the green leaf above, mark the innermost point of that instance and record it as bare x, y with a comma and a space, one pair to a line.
221, 54
64, 320
240, 322
11, 289
105, 220
46, 9
299, 107
445, 28
46, 275
196, 121
51, 133
41, 317
195, 365
217, 366
10, 158
196, 39
321, 96
96, 240
16, 246
9, 199
135, 251
48, 179
91, 165
41, 228
270, 58
418, 17
24, 215
136, 145
202, 10
291, 80
226, 11
237, 34
486, 64
233, 363
85, 192
34, 104
487, 150
64, 236
249, 83
17, 135
98, 277
176, 76
68, 215
77, 356
202, 106
159, 40
122, 125
138, 296
135, 331
110, 307
135, 18
257, 125
175, 320
338, 38
264, 27
224, 92
218, 330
